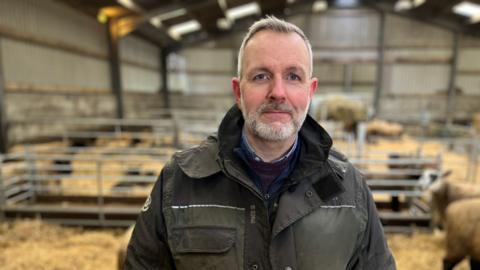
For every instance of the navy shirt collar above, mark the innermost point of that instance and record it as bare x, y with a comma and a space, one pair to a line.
248, 150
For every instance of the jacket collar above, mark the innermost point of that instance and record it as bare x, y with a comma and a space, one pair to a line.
316, 142
200, 161
216, 153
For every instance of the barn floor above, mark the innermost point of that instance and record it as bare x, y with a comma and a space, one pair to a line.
36, 245
420, 251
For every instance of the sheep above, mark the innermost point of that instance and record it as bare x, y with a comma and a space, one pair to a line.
462, 222
122, 249
441, 193
384, 128
339, 108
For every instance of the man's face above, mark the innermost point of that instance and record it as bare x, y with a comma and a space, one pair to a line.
275, 88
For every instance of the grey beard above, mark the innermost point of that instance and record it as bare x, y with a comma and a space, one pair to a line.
270, 132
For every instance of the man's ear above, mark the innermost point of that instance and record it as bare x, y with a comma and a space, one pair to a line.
313, 86
236, 90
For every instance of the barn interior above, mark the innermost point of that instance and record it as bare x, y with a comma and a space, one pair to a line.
97, 95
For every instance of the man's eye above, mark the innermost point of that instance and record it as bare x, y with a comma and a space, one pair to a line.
293, 77
260, 77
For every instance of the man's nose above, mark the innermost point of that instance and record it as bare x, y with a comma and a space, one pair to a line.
277, 89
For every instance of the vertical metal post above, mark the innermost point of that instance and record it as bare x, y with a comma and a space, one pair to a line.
308, 25
100, 199
114, 63
350, 145
450, 108
380, 63
347, 78
164, 52
118, 129
361, 139
3, 199
473, 159
3, 117
30, 159
234, 61
476, 146
176, 133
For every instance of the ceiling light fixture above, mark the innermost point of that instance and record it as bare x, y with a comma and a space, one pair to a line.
319, 6
402, 5
346, 3
176, 31
130, 4
417, 3
224, 24
222, 4
468, 9
242, 11
157, 20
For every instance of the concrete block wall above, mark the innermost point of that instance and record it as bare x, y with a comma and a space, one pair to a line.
37, 115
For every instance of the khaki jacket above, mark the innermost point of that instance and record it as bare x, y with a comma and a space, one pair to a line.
205, 213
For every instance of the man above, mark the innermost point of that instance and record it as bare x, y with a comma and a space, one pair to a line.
267, 192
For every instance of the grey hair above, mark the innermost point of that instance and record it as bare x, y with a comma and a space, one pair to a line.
274, 24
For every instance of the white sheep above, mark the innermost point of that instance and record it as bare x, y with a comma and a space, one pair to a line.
462, 224
443, 192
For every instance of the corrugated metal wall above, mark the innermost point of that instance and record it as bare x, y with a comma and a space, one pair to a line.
208, 70
417, 71
419, 61
399, 33
49, 20
468, 76
39, 67
344, 29
28, 58
405, 79
344, 44
80, 60
140, 67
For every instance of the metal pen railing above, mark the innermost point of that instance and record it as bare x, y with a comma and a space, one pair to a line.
28, 178
166, 131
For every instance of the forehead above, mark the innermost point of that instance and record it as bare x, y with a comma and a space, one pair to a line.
269, 48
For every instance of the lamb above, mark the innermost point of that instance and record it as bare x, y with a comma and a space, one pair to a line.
122, 249
383, 128
443, 192
462, 222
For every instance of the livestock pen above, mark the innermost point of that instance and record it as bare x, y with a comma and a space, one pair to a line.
427, 247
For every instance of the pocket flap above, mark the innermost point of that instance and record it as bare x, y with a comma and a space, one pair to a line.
203, 239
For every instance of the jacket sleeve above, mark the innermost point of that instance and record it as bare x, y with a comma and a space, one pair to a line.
373, 252
148, 247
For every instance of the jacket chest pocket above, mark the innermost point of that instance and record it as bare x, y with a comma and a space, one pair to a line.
327, 238
204, 247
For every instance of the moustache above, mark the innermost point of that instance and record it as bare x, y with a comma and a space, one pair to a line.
272, 106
